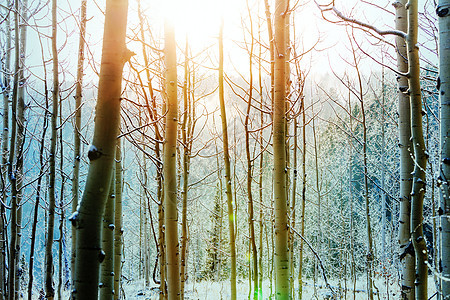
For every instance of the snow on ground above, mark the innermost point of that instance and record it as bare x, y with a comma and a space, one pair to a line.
221, 290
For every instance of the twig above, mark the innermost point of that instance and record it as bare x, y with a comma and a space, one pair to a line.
318, 258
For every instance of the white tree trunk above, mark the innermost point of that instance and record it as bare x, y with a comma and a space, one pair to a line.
444, 176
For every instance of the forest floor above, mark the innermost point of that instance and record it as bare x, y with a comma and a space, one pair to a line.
221, 291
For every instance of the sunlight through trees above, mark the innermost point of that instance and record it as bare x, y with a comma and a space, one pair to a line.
257, 149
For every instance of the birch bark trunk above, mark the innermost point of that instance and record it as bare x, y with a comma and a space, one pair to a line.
88, 217
6, 89
170, 172
420, 155
251, 223
17, 138
48, 281
186, 131
302, 217
406, 163
118, 230
226, 158
279, 154
107, 266
444, 97
77, 128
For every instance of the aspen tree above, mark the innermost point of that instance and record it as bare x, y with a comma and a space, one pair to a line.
42, 172
443, 12
287, 122
5, 85
279, 154
370, 250
319, 237
359, 93
145, 236
160, 192
170, 172
62, 215
151, 108
118, 230
11, 159
271, 47
301, 81
48, 279
406, 162
383, 255
161, 231
88, 217
250, 169
261, 173
226, 158
144, 268
142, 180
350, 194
20, 138
420, 155
186, 138
143, 219
77, 127
219, 206
302, 217
270, 33
107, 266
15, 164
12, 261
292, 208
219, 200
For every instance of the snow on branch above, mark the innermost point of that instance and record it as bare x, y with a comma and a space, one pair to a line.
332, 7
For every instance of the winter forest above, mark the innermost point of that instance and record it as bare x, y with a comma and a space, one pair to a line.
241, 149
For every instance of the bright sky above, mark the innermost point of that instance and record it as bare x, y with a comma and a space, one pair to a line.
200, 20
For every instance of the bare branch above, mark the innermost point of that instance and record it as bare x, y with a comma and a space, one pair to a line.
324, 8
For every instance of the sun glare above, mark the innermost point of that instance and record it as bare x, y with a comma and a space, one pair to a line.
199, 20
